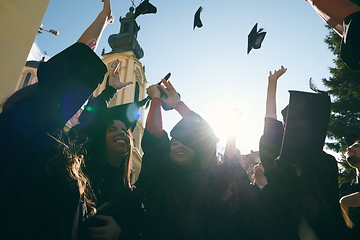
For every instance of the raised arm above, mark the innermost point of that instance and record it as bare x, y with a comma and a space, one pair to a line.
114, 80
271, 92
154, 118
102, 101
230, 147
92, 34
333, 12
270, 142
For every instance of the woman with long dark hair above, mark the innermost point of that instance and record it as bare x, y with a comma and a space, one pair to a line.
107, 133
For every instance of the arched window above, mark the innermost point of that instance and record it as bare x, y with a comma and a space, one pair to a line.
137, 90
27, 80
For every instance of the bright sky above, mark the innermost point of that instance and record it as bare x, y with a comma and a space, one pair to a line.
209, 66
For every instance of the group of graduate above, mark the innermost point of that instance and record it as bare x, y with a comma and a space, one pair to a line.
76, 185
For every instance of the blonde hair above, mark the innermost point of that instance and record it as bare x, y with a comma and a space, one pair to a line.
345, 214
72, 156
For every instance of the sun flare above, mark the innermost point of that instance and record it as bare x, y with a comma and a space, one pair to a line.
230, 120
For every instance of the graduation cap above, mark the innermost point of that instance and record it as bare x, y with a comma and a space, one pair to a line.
197, 20
74, 73
76, 64
255, 38
307, 120
192, 130
128, 113
350, 43
94, 121
144, 8
195, 133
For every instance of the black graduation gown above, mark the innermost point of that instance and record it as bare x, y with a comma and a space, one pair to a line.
178, 200
123, 204
313, 195
38, 201
230, 222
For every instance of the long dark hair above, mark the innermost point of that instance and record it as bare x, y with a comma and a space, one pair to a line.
96, 160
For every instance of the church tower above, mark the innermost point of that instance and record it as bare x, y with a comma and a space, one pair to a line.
126, 48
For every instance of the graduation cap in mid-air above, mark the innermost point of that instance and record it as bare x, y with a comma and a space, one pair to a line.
197, 20
144, 8
255, 38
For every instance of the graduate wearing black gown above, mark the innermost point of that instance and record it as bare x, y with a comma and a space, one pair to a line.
107, 137
305, 174
176, 174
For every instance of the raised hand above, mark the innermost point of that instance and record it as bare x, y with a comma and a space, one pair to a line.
173, 97
271, 91
153, 91
114, 79
273, 77
107, 10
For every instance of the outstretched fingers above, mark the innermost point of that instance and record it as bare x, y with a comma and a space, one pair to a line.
168, 85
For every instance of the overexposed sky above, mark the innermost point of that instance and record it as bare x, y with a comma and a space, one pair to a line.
209, 66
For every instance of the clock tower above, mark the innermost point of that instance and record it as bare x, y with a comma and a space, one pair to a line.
126, 48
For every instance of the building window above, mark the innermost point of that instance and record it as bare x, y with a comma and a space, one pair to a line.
27, 80
137, 90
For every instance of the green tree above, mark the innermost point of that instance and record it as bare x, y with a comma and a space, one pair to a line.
344, 85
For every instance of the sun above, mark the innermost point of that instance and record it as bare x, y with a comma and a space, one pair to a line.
230, 120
